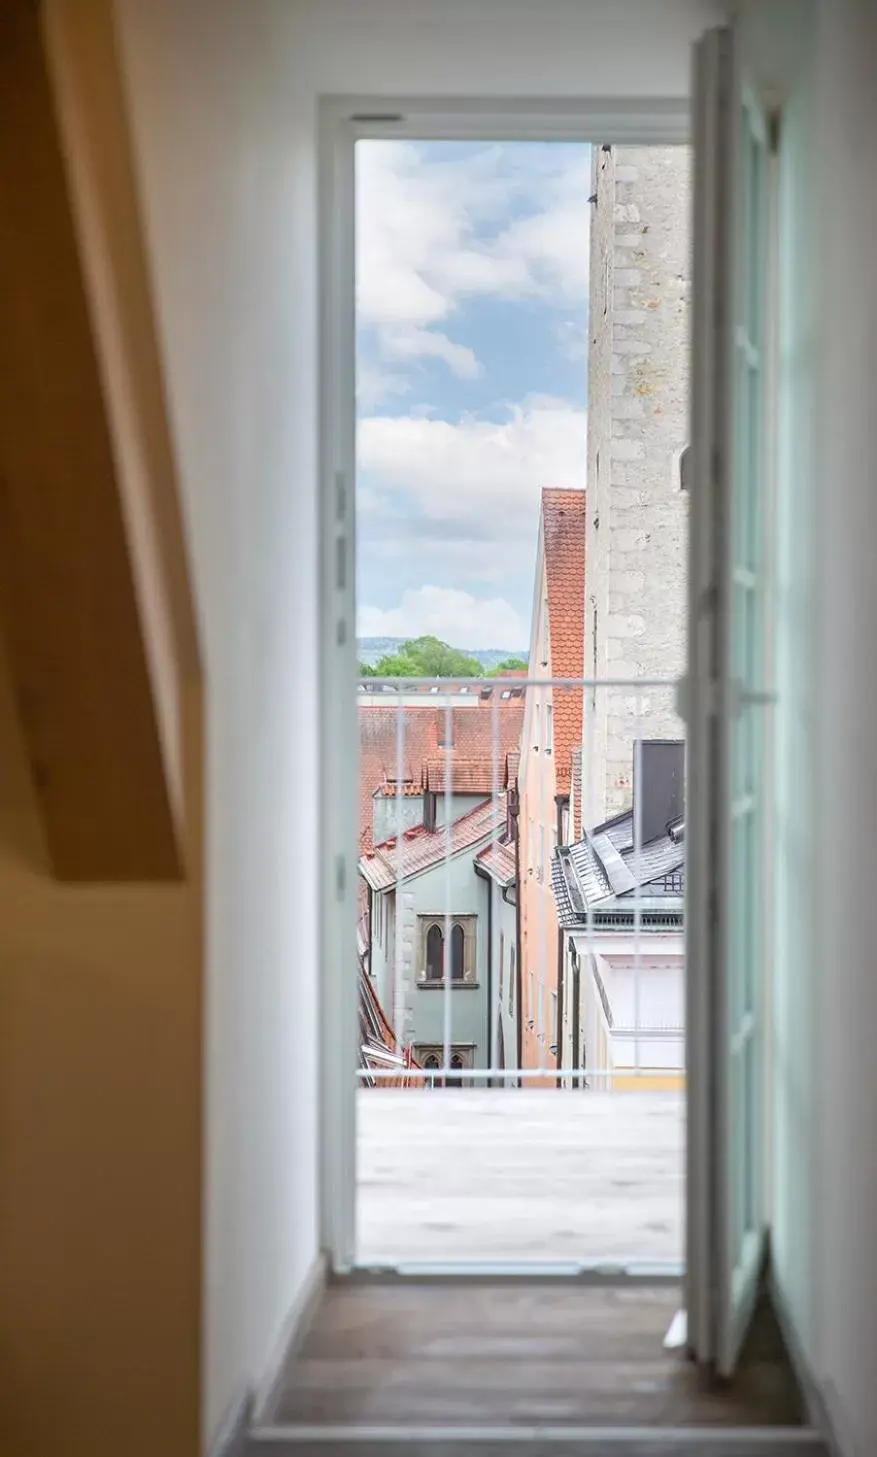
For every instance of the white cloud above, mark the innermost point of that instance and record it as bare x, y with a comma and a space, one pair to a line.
415, 343
375, 386
553, 242
396, 542
414, 218
478, 472
455, 617
571, 337
432, 233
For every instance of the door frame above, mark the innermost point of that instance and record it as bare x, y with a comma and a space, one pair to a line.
342, 121
720, 1298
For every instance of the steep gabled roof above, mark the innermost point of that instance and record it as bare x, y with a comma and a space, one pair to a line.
563, 536
606, 875
422, 849
422, 732
464, 776
498, 861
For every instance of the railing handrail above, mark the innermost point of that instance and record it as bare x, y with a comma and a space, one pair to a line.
539, 682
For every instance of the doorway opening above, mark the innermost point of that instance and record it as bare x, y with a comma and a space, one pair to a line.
602, 868
520, 328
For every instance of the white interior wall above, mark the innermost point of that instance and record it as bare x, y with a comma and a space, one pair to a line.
825, 1008
228, 200
223, 96
844, 826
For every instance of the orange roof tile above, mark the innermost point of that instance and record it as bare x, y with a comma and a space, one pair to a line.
563, 530
499, 862
466, 776
422, 734
406, 790
421, 848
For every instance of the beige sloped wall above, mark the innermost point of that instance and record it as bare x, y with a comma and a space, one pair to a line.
101, 985
100, 1014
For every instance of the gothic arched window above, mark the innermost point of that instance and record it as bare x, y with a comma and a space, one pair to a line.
458, 942
435, 954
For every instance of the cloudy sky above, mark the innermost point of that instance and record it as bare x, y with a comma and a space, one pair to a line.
472, 283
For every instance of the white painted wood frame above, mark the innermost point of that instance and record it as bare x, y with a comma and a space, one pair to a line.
343, 121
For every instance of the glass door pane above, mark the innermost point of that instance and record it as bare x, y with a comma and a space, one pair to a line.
743, 728
726, 702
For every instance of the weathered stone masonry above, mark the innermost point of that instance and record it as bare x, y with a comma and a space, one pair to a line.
637, 426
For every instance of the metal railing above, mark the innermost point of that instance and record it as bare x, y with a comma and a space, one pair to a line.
452, 879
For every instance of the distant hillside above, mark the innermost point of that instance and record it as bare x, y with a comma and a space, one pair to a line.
370, 649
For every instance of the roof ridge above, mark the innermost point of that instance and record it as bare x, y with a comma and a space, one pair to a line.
418, 831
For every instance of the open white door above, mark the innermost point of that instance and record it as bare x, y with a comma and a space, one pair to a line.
726, 706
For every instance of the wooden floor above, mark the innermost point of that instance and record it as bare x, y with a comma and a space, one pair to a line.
517, 1355
519, 1174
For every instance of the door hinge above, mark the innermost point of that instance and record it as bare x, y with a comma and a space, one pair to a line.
340, 877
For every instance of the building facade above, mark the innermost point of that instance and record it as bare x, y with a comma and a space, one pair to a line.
637, 429
440, 925
497, 865
620, 900
551, 731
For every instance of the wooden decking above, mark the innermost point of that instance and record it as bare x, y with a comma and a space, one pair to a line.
519, 1175
517, 1355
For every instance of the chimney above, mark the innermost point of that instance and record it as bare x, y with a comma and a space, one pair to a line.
658, 786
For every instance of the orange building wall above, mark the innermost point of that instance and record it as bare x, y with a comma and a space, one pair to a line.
538, 911
556, 650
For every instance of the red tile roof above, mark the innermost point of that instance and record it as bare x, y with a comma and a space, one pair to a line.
466, 776
423, 732
563, 529
407, 790
499, 862
421, 849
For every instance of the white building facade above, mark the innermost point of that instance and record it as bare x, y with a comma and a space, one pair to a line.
624, 1010
635, 610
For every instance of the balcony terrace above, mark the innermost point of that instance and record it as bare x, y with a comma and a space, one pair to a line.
519, 1175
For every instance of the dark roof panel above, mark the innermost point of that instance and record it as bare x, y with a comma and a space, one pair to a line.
603, 874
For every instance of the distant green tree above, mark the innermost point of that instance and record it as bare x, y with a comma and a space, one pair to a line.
366, 670
508, 665
427, 657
